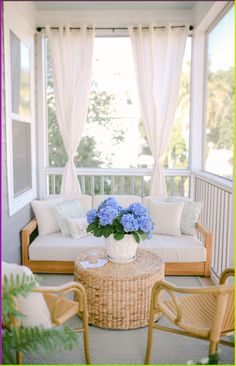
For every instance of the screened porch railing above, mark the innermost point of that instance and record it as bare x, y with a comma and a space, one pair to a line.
118, 181
216, 196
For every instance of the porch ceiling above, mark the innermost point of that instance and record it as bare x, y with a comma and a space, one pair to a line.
112, 5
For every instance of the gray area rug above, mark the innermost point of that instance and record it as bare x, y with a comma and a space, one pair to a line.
129, 346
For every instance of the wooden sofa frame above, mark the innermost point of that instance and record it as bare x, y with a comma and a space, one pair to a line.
175, 268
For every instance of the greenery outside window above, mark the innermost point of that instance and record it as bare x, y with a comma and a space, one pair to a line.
219, 129
114, 113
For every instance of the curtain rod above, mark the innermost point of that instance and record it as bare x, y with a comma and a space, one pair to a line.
39, 29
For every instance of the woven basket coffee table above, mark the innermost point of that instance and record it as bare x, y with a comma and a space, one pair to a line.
119, 294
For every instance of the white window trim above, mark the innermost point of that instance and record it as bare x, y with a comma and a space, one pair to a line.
42, 108
209, 28
13, 22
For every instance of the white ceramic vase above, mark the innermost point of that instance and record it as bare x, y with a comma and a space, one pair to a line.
121, 251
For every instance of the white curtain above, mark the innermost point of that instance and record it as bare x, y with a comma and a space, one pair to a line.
72, 53
158, 57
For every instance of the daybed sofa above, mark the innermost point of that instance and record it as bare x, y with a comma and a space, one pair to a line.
55, 253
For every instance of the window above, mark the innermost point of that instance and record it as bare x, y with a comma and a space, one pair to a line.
20, 115
219, 133
114, 113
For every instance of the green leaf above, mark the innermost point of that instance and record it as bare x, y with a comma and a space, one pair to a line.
136, 236
118, 228
12, 287
98, 232
32, 339
91, 227
119, 236
143, 236
107, 231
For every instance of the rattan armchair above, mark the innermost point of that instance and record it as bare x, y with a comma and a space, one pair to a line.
62, 309
205, 313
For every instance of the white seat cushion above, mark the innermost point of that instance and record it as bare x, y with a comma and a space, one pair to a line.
57, 247
176, 248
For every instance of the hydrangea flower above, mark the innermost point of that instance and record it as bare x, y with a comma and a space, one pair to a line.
122, 210
122, 221
145, 224
109, 202
129, 223
137, 209
107, 215
91, 216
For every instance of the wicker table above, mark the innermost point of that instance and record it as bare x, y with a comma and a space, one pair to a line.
119, 294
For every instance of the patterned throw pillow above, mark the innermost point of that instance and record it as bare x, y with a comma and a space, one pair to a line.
65, 211
190, 215
77, 227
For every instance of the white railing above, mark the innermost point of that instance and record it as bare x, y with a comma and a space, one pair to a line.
118, 181
216, 195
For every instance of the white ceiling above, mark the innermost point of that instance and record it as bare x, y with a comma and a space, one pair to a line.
110, 5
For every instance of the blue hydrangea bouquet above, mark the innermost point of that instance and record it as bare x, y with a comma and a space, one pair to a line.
112, 219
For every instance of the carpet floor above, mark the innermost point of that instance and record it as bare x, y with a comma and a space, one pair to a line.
129, 346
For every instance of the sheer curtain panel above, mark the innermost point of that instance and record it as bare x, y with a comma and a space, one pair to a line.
72, 54
158, 57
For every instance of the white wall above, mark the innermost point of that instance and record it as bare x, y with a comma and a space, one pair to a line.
12, 225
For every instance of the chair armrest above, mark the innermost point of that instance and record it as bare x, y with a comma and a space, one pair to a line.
25, 239
58, 289
62, 291
202, 230
207, 235
229, 272
164, 285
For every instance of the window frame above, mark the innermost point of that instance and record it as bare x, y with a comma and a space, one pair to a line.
212, 25
14, 23
100, 34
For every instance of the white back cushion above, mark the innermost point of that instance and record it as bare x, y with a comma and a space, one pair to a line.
45, 215
33, 306
157, 198
123, 200
165, 216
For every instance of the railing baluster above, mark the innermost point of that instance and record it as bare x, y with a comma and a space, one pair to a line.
122, 184
112, 184
142, 186
83, 184
92, 185
218, 231
102, 184
132, 185
224, 230
221, 214
182, 186
171, 185
53, 184
228, 231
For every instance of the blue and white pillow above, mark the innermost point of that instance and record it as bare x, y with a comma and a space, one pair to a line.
68, 210
190, 215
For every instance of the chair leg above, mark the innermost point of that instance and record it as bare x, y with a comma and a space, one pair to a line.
150, 337
86, 338
19, 358
213, 347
